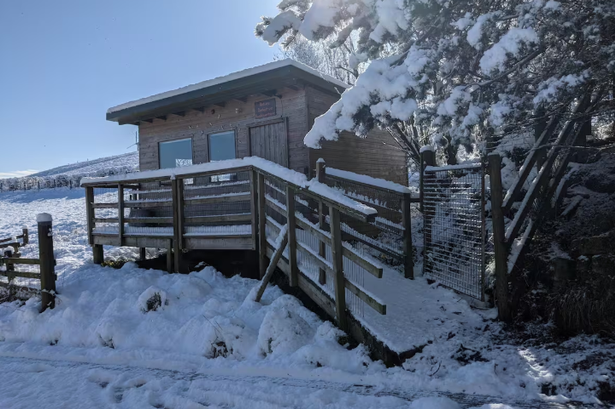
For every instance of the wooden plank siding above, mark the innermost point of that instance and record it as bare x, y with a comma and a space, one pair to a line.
378, 155
234, 115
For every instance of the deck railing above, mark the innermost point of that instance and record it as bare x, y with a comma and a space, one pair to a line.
245, 211
394, 205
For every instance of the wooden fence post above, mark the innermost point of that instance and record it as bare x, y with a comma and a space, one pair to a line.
338, 268
320, 174
407, 224
292, 236
25, 236
428, 158
47, 261
262, 226
142, 254
501, 248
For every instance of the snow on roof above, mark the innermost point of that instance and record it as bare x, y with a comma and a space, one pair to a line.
227, 78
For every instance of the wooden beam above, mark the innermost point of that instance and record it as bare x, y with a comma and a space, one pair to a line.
271, 268
292, 235
162, 117
89, 210
262, 225
407, 243
220, 104
270, 93
120, 213
181, 113
338, 268
242, 99
501, 249
201, 110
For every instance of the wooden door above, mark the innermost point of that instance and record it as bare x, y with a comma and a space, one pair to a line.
270, 142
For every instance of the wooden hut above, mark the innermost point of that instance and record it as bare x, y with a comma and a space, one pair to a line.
264, 111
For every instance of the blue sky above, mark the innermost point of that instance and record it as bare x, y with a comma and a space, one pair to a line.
64, 62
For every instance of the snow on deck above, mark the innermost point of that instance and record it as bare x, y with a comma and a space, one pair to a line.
368, 180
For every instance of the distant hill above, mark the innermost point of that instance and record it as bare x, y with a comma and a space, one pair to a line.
128, 161
70, 175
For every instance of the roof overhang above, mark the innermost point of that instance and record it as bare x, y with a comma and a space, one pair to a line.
259, 80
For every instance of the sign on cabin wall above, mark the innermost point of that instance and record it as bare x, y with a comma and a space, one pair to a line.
265, 108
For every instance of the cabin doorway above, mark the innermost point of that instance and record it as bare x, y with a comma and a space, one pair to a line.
270, 141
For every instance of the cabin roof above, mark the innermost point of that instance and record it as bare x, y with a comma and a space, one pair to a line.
261, 79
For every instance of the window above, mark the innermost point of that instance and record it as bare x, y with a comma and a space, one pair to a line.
175, 154
222, 147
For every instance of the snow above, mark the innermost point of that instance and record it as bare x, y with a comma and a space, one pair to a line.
495, 58
227, 78
290, 176
205, 344
43, 217
368, 180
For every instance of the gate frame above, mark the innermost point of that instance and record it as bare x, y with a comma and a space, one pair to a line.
428, 160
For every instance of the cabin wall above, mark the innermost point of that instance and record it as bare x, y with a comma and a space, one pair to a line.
235, 115
378, 155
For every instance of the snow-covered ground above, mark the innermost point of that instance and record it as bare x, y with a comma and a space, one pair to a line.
208, 345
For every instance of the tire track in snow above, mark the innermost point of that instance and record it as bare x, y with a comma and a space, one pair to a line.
120, 381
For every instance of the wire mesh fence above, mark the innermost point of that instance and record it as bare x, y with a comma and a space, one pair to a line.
454, 228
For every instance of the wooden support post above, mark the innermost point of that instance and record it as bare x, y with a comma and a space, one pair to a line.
254, 209
170, 256
176, 231
47, 261
89, 210
142, 254
262, 226
428, 158
292, 236
98, 253
407, 224
338, 268
322, 250
120, 213
501, 248
271, 268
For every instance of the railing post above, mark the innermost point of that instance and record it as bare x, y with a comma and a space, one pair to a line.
407, 224
320, 174
428, 158
47, 261
254, 209
338, 268
262, 227
292, 236
176, 230
89, 210
501, 248
120, 213
142, 254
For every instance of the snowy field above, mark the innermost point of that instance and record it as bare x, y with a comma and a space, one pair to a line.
207, 346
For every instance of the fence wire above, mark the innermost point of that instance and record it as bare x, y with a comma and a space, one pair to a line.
454, 217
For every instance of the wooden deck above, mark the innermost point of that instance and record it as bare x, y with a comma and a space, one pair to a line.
187, 211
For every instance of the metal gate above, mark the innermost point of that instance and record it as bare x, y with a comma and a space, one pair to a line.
454, 231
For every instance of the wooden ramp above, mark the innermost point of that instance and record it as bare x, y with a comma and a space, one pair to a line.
240, 205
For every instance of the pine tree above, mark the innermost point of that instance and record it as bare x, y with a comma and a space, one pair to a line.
477, 74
